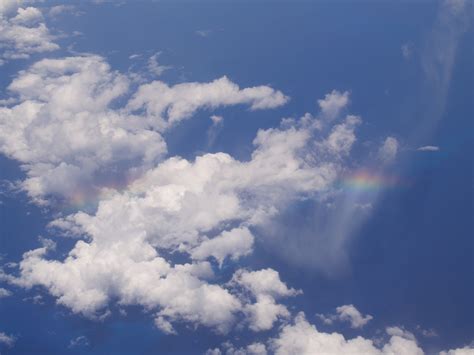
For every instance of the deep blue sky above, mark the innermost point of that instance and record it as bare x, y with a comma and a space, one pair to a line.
411, 263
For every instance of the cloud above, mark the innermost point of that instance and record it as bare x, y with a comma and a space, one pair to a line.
202, 209
400, 332
203, 33
61, 9
389, 149
69, 135
4, 293
352, 315
154, 67
347, 313
333, 103
169, 105
467, 350
235, 243
342, 137
303, 338
178, 206
214, 130
7, 340
407, 50
80, 341
428, 148
23, 32
438, 56
266, 287
229, 349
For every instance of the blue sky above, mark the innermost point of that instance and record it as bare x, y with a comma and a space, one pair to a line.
236, 177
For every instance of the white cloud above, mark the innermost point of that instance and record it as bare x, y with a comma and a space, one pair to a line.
169, 105
65, 132
353, 316
346, 313
4, 292
438, 57
7, 340
303, 338
264, 313
407, 50
467, 350
164, 325
202, 208
229, 349
389, 149
265, 286
69, 135
22, 32
154, 67
400, 332
428, 148
60, 9
234, 243
214, 129
80, 341
27, 16
203, 33
342, 137
333, 103
264, 282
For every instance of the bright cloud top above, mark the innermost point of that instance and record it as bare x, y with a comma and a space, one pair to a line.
23, 31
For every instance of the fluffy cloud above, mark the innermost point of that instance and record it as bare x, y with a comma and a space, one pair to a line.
185, 207
303, 338
460, 351
4, 292
265, 286
7, 340
333, 103
388, 150
229, 349
70, 137
80, 341
77, 126
64, 131
22, 32
347, 313
169, 105
234, 243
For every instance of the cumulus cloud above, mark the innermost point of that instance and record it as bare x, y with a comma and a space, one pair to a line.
347, 313
229, 349
266, 287
78, 125
388, 150
7, 340
4, 292
303, 338
169, 105
352, 315
333, 103
234, 243
23, 32
467, 350
154, 67
68, 134
80, 341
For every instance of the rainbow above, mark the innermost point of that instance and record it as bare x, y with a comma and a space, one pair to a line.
365, 180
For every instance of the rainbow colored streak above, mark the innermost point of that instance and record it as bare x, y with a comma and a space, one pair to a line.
365, 180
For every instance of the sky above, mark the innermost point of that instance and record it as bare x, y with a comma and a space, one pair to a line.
236, 177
